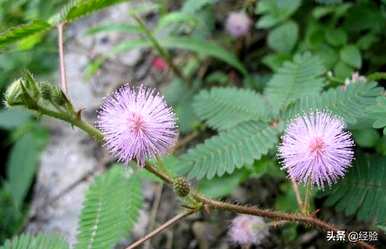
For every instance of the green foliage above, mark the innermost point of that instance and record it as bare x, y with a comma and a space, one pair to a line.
275, 11
350, 103
378, 111
11, 217
351, 55
22, 31
22, 164
12, 118
79, 8
298, 78
36, 242
110, 209
362, 191
366, 138
224, 108
230, 150
222, 186
283, 38
195, 44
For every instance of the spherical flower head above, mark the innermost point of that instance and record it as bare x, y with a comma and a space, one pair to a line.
247, 230
137, 124
238, 24
316, 148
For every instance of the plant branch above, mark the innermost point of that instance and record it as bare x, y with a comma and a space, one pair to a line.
63, 79
154, 210
276, 215
74, 120
162, 52
206, 202
164, 226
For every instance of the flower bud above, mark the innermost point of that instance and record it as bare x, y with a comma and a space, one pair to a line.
181, 186
14, 93
238, 24
46, 91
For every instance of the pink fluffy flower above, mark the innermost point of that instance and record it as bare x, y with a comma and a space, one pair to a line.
238, 24
137, 124
316, 148
247, 230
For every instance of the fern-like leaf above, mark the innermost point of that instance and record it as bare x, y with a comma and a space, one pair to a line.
363, 190
110, 209
378, 111
78, 8
295, 79
230, 150
17, 33
224, 108
350, 103
41, 241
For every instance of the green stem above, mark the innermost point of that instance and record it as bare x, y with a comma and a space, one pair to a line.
72, 119
162, 52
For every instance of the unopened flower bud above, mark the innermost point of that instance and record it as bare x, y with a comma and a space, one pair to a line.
181, 186
46, 90
13, 94
58, 96
238, 24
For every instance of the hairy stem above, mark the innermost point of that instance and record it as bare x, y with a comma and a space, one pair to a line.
205, 201
63, 79
74, 120
276, 215
164, 226
162, 52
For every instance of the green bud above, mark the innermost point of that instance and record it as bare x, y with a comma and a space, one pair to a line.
181, 186
14, 93
58, 96
31, 86
46, 91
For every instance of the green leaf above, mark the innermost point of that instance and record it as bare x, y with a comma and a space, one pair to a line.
275, 11
366, 138
363, 190
177, 17
12, 118
22, 164
114, 27
351, 55
20, 32
230, 150
350, 103
78, 8
295, 79
224, 108
110, 209
195, 44
192, 6
336, 37
283, 38
378, 111
40, 241
221, 186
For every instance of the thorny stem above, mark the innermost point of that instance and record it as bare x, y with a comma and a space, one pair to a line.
162, 52
164, 226
205, 201
63, 79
